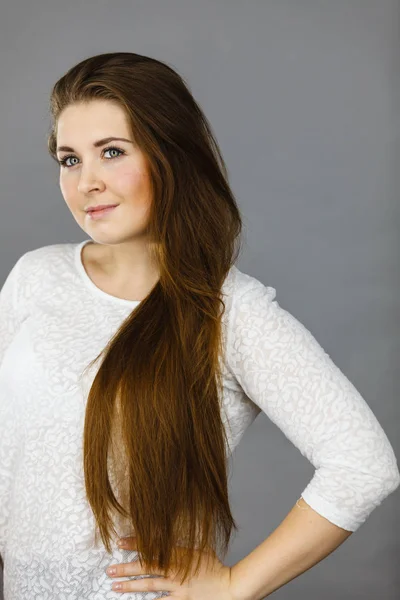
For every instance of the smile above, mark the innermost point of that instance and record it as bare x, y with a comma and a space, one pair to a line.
98, 214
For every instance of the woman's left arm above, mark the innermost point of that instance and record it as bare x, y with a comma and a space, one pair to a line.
302, 540
283, 369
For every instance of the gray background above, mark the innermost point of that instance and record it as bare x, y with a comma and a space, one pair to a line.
303, 96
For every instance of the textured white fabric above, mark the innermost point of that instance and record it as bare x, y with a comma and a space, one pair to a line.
54, 320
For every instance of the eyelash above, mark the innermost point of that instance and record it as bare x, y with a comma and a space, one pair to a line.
63, 160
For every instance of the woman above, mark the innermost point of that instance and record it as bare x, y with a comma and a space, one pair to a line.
192, 349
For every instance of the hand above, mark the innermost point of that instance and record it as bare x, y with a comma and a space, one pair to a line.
212, 581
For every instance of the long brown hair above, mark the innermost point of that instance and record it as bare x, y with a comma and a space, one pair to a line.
155, 402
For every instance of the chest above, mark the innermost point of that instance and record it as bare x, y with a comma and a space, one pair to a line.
43, 372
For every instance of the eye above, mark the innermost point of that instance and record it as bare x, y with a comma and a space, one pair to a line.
63, 161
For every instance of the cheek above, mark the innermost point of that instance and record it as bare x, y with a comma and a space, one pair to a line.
134, 182
68, 189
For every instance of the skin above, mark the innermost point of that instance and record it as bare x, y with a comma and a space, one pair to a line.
119, 255
214, 580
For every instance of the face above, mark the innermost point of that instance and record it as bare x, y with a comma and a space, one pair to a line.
112, 173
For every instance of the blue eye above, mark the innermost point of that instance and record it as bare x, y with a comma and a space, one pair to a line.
63, 161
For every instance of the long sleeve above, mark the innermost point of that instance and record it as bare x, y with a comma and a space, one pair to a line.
288, 375
9, 309
11, 318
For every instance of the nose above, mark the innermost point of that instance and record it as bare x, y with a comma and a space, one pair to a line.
89, 181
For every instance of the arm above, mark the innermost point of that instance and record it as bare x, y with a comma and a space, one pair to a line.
283, 369
302, 540
10, 320
9, 309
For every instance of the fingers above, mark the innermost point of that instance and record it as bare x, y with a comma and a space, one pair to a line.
149, 584
129, 569
125, 569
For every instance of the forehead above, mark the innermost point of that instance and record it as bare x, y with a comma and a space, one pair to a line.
96, 117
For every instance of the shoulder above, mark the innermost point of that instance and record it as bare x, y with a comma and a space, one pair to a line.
30, 278
40, 269
251, 307
38, 260
247, 289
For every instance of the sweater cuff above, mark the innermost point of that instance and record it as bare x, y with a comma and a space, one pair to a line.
330, 511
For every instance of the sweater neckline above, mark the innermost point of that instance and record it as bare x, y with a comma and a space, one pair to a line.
91, 285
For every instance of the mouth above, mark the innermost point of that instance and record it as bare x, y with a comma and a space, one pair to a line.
100, 212
101, 207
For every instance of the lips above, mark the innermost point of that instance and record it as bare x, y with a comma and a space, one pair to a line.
98, 208
103, 213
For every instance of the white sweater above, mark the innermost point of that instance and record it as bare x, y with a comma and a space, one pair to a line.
54, 320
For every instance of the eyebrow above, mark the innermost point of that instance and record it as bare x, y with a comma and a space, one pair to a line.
95, 144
